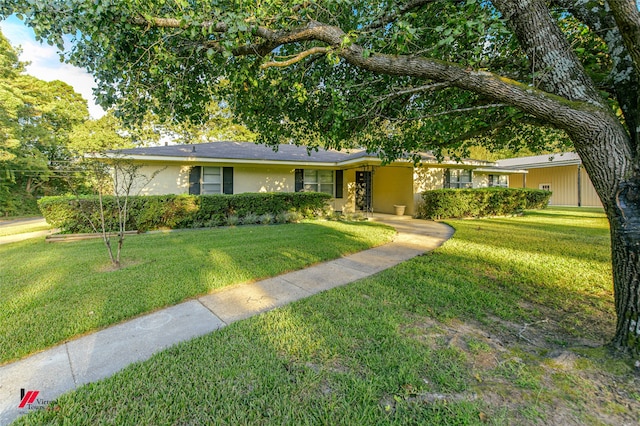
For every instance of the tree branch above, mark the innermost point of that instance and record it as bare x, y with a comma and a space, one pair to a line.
420, 89
300, 56
544, 105
453, 111
158, 22
625, 84
564, 74
627, 17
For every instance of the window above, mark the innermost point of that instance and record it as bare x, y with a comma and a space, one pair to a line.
318, 181
212, 180
458, 178
499, 180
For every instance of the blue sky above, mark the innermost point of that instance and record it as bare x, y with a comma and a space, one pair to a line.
45, 62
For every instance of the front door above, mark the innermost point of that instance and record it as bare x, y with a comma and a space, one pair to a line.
364, 188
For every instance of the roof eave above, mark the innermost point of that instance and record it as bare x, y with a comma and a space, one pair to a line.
501, 170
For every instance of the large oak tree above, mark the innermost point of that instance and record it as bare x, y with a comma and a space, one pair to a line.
395, 76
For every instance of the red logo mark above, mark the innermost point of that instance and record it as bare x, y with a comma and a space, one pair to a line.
27, 398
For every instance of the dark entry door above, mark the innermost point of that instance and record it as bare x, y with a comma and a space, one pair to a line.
364, 188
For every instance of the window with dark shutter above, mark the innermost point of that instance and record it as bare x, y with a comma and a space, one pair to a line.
194, 180
339, 183
227, 180
299, 180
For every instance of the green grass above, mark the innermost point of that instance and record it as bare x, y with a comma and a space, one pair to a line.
431, 341
66, 289
518, 268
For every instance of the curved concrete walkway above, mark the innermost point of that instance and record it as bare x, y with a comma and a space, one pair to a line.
101, 354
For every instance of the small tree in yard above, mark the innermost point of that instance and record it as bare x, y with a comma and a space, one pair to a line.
118, 178
394, 76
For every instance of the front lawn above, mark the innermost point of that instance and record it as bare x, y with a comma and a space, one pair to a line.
502, 325
54, 291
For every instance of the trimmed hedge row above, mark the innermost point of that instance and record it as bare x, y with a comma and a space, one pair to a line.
495, 201
71, 214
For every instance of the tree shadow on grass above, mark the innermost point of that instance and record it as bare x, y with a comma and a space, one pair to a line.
164, 269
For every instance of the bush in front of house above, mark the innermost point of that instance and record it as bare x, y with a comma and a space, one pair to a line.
78, 213
75, 214
457, 203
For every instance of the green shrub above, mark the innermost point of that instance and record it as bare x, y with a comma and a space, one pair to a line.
81, 214
537, 199
283, 217
76, 214
164, 211
250, 219
232, 220
456, 203
213, 209
17, 203
266, 218
293, 216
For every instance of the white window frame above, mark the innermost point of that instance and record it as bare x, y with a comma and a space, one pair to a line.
313, 181
457, 184
211, 183
496, 181
545, 186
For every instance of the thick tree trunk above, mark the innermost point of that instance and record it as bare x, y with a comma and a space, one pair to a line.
614, 172
608, 151
625, 253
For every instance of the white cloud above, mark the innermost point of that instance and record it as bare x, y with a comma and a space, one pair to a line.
45, 63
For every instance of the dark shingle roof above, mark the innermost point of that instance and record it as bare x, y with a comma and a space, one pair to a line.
228, 151
246, 151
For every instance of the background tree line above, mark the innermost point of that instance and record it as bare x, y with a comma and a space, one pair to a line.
45, 130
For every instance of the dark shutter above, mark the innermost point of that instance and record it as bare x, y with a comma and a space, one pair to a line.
491, 182
299, 180
227, 180
339, 183
447, 178
194, 180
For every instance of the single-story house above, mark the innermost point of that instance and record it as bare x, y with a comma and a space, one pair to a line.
357, 179
562, 174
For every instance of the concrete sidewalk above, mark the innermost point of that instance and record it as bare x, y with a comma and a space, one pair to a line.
37, 221
99, 355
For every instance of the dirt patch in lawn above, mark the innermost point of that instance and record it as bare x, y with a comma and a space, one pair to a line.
534, 374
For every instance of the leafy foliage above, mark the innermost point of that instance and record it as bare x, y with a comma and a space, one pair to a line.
458, 203
175, 72
100, 135
186, 64
75, 214
36, 118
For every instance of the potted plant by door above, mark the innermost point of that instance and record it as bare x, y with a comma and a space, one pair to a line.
399, 209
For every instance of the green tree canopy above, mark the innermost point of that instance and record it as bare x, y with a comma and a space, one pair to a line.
36, 118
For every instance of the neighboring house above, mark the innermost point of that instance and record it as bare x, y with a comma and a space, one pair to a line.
356, 179
562, 174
